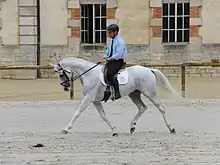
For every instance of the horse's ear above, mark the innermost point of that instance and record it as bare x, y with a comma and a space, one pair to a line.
53, 65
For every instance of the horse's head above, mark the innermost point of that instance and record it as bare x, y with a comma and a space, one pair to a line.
71, 68
63, 74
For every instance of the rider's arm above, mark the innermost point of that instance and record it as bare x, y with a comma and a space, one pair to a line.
106, 54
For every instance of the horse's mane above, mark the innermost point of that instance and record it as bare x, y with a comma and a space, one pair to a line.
81, 60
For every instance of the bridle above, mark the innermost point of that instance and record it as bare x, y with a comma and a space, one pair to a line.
67, 80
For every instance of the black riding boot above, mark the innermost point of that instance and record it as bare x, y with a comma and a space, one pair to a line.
116, 87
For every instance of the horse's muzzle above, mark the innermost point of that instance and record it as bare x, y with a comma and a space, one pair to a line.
66, 89
66, 85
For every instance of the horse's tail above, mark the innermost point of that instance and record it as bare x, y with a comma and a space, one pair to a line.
164, 82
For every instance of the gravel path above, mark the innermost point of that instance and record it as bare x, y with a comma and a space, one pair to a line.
23, 124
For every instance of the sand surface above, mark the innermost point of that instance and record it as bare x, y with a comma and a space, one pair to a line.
23, 124
90, 142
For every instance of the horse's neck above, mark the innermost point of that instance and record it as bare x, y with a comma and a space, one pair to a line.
80, 67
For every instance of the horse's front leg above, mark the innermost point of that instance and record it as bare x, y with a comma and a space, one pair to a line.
84, 104
101, 111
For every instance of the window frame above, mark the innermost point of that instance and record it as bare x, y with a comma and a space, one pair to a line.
94, 17
175, 29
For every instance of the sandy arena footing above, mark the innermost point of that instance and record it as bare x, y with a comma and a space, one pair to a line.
90, 142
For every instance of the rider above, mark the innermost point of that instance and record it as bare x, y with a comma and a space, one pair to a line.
114, 57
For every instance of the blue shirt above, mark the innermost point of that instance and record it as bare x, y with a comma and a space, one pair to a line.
119, 49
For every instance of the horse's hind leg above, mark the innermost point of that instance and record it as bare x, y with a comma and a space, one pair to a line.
136, 99
156, 101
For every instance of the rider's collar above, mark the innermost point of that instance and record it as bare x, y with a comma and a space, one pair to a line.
115, 37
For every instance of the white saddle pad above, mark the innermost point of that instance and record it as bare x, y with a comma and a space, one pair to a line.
122, 77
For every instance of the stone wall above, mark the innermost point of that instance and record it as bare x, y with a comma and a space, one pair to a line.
170, 55
140, 24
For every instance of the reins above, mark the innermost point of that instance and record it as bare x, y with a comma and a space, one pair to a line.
76, 77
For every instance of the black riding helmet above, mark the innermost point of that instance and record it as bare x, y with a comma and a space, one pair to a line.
113, 28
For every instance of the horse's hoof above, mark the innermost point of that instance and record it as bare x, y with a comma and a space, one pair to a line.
64, 132
115, 134
173, 131
132, 130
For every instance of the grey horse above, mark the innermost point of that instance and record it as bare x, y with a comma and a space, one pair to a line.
137, 80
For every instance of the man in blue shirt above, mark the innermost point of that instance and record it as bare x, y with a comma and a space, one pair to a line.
114, 57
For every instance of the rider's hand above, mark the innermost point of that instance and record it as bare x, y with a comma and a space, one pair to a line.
103, 60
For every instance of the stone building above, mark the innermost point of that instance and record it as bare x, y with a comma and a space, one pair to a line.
156, 31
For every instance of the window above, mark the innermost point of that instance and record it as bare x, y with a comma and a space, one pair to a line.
176, 22
93, 23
